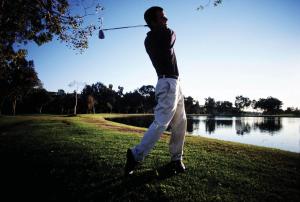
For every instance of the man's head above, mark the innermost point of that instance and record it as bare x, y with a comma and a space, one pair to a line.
155, 17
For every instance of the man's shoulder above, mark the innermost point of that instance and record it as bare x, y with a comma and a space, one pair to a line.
159, 33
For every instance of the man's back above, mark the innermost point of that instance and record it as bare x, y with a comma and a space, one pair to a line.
159, 45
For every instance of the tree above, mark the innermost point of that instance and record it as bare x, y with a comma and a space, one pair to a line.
7, 72
119, 99
292, 110
88, 95
197, 109
269, 105
191, 106
91, 104
109, 106
61, 95
208, 3
37, 98
146, 90
62, 103
102, 95
18, 81
133, 102
148, 93
210, 105
241, 102
224, 107
188, 104
120, 91
77, 85
111, 98
39, 21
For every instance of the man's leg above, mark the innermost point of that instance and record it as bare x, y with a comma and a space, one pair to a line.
164, 112
167, 93
140, 151
178, 130
148, 141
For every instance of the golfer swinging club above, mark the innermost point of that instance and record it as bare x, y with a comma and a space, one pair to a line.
169, 110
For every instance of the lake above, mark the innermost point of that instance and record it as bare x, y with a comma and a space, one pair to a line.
275, 132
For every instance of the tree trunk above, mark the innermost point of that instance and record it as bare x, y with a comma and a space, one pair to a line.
40, 111
75, 107
14, 104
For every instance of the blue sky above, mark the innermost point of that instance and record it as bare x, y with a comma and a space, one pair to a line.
242, 47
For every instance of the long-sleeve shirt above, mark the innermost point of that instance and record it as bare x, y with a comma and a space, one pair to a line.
159, 45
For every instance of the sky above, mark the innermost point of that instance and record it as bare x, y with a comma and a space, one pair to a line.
248, 47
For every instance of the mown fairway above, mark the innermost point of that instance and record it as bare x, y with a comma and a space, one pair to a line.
57, 158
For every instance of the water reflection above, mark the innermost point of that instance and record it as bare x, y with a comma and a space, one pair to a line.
210, 125
224, 123
269, 124
242, 127
192, 124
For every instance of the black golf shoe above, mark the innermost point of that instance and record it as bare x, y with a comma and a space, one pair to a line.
131, 163
170, 169
176, 167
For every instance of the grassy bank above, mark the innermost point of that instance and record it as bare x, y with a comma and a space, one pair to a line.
56, 158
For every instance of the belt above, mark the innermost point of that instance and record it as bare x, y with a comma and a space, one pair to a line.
167, 76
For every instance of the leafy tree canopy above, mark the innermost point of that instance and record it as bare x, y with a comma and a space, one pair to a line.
268, 105
23, 21
241, 102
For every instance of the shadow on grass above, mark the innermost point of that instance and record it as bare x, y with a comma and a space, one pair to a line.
38, 168
125, 187
41, 178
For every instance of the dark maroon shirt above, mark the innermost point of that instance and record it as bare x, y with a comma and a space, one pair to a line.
159, 45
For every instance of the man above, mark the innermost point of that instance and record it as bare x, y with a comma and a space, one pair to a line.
159, 45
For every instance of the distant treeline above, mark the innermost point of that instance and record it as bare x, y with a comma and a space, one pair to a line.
99, 98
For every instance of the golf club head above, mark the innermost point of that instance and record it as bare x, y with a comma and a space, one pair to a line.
101, 34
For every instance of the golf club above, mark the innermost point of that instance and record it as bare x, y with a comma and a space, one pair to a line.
101, 31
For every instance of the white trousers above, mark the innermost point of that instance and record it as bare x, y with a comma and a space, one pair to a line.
168, 111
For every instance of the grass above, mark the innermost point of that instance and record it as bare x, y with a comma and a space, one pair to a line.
56, 158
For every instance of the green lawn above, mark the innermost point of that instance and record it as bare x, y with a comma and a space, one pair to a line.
58, 158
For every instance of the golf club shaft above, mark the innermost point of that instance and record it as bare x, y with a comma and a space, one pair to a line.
124, 27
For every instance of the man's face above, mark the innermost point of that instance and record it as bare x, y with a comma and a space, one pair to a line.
161, 20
